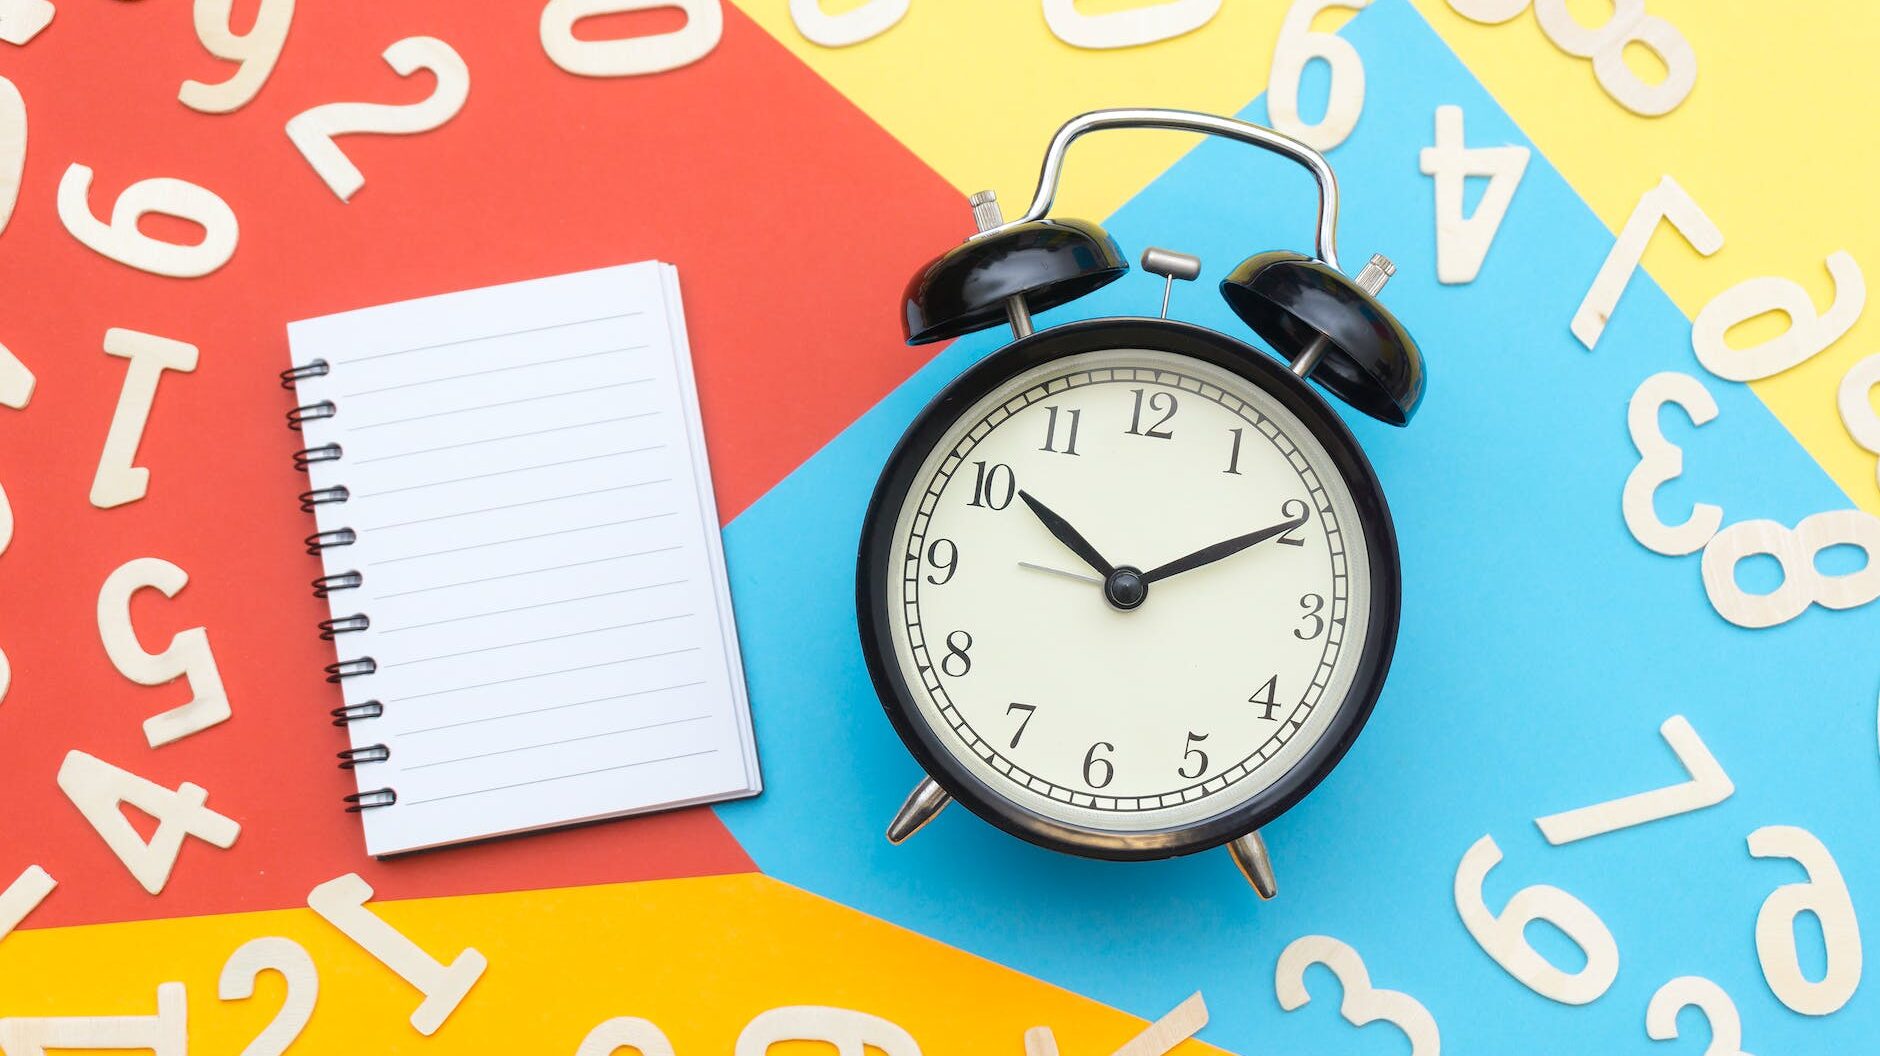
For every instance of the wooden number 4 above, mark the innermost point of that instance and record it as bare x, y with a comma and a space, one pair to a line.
1708, 786
1462, 242
99, 791
342, 903
1667, 201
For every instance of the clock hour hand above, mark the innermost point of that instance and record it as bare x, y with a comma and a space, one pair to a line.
1207, 555
1062, 530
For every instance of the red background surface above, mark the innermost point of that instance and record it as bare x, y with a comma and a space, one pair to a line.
794, 221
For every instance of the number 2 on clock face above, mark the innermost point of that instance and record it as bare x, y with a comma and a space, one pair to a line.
1229, 668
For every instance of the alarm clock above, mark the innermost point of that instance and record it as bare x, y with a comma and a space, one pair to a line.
1128, 588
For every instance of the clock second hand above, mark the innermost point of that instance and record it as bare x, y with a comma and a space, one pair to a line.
1078, 576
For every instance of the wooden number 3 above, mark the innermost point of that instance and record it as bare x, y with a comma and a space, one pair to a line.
314, 130
1361, 1004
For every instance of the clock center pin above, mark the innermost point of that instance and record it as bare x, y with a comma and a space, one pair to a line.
1124, 589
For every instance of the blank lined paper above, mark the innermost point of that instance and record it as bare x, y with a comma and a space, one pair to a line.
528, 491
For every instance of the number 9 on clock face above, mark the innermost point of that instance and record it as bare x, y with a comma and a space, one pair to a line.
1128, 589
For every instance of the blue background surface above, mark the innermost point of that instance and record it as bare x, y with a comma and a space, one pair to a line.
1541, 647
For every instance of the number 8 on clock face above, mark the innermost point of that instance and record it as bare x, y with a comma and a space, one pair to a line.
1128, 588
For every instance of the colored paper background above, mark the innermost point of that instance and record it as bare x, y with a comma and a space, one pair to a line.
796, 187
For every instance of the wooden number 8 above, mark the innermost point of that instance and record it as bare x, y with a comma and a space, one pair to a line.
1361, 1004
1606, 45
1802, 584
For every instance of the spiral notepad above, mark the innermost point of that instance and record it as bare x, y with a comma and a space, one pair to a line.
522, 558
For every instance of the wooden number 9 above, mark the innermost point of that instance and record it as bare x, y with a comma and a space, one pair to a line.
257, 51
1809, 332
1802, 585
1825, 895
1660, 460
1298, 46
1361, 1004
1502, 936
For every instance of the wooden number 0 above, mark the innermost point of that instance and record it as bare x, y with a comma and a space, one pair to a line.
313, 131
1361, 1004
631, 56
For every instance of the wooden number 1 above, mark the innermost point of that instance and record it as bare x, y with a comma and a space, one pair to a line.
165, 1034
117, 480
1667, 202
1708, 786
342, 903
22, 896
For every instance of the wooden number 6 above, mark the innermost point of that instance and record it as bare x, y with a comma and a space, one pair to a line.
1691, 991
1361, 1003
1299, 45
290, 959
1809, 332
313, 131
1660, 460
123, 242
1502, 936
1825, 895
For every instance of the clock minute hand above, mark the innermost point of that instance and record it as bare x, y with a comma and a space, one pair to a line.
1062, 530
1207, 555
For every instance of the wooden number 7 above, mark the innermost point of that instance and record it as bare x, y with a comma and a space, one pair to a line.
1708, 786
1668, 202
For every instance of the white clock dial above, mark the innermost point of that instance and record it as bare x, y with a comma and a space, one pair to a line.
1186, 706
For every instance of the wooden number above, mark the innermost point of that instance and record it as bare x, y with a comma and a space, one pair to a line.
164, 1034
6, 675
1660, 460
866, 22
1361, 1004
6, 521
118, 481
290, 959
1802, 584
21, 20
1492, 12
16, 381
1707, 787
1668, 202
1606, 45
123, 242
848, 1031
342, 903
628, 1032
187, 656
1160, 1037
99, 791
22, 896
257, 50
12, 143
1824, 894
1502, 936
313, 131
1298, 46
1143, 24
1462, 242
1691, 991
1855, 400
630, 56
1808, 333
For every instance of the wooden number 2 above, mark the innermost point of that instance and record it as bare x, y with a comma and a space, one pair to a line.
257, 50
1143, 24
165, 1034
1708, 786
12, 148
625, 1032
1503, 935
1691, 991
313, 131
1825, 895
629, 56
1299, 45
123, 242
1660, 460
1802, 583
290, 959
1668, 202
1361, 1004
187, 656
866, 22
99, 791
342, 903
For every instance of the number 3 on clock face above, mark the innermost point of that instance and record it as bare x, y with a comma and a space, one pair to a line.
1128, 601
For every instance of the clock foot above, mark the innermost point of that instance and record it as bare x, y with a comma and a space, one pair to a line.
1250, 854
927, 800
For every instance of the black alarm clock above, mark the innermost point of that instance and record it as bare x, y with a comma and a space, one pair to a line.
1128, 588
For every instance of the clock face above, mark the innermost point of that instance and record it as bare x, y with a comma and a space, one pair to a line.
1130, 590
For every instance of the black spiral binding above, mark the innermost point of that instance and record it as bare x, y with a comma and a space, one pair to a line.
327, 585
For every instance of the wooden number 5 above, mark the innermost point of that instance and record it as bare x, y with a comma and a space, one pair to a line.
187, 656
1361, 1004
314, 130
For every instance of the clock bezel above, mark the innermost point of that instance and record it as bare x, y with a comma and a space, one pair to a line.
878, 552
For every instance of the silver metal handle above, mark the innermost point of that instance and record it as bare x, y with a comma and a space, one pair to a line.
1189, 121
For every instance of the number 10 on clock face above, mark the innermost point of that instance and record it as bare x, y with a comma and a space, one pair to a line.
1130, 591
